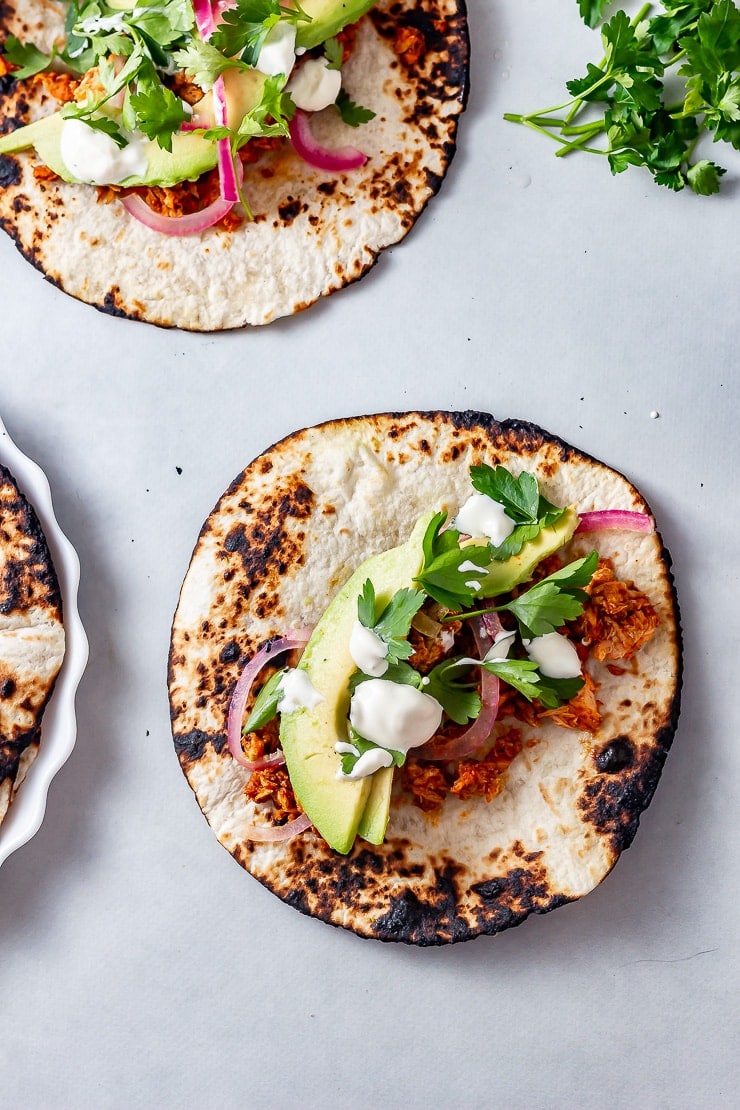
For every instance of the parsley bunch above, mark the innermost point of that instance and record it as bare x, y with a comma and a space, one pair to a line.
637, 121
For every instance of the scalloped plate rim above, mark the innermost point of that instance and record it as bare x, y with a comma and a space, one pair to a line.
59, 731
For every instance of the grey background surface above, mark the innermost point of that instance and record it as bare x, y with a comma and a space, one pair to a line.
139, 965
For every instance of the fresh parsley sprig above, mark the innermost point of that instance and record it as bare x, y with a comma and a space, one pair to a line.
522, 502
524, 676
637, 122
560, 597
552, 601
244, 28
393, 623
441, 576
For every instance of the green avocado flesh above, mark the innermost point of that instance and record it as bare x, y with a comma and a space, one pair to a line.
341, 808
503, 577
190, 157
328, 18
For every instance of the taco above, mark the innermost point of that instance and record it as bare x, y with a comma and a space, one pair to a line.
31, 635
361, 573
226, 192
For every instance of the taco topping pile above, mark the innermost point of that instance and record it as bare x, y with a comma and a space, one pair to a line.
432, 658
162, 104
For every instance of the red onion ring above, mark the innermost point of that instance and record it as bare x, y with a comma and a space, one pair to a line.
482, 726
612, 519
311, 151
191, 224
293, 639
274, 833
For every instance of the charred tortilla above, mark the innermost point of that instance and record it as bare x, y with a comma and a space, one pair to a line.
31, 635
282, 540
313, 232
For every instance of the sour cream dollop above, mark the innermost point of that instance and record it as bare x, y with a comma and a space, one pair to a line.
555, 655
482, 516
394, 715
368, 763
93, 157
278, 50
314, 86
369, 652
298, 692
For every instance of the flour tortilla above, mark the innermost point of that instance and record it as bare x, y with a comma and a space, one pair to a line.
284, 537
314, 232
31, 635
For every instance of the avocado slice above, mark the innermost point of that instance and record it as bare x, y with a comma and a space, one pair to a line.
191, 154
374, 820
307, 736
328, 18
503, 577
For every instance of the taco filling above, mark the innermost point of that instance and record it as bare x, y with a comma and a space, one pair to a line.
490, 619
425, 671
183, 121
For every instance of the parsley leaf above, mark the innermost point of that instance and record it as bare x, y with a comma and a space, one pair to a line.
524, 676
522, 502
638, 121
244, 28
592, 10
334, 52
203, 63
25, 55
458, 696
159, 113
441, 576
351, 113
548, 604
394, 622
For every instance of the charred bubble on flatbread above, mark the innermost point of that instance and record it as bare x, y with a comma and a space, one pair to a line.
528, 779
157, 163
31, 635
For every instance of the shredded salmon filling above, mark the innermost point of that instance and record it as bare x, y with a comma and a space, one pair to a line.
618, 619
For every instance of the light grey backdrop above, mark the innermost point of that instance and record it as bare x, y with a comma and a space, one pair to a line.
139, 966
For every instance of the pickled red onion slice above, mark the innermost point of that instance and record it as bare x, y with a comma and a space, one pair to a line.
482, 726
613, 519
190, 224
176, 225
289, 642
274, 833
311, 151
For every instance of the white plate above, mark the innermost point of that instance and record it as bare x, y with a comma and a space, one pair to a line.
59, 729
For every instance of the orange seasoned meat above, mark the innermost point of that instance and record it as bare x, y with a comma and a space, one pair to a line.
618, 618
485, 776
427, 783
273, 785
62, 86
581, 712
409, 44
428, 652
43, 173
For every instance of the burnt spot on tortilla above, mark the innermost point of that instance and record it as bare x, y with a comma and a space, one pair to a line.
290, 209
10, 171
615, 756
191, 746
